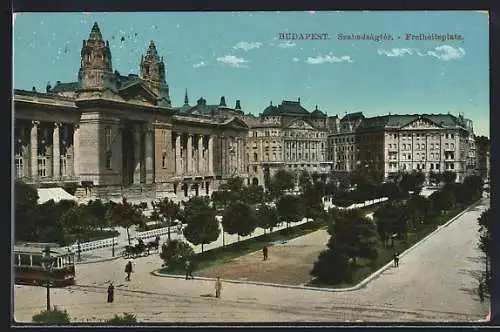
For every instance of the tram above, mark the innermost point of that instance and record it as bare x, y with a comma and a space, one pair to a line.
28, 267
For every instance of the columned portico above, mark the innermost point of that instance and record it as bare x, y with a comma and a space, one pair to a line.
149, 153
178, 161
189, 153
56, 155
34, 149
211, 154
200, 154
137, 154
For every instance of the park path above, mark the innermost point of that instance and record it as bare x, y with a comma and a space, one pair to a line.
435, 282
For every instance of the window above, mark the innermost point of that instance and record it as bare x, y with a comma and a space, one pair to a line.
452, 146
63, 166
107, 138
42, 166
164, 161
255, 169
255, 157
108, 159
274, 156
437, 166
19, 167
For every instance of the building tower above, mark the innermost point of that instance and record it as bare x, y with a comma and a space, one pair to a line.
96, 72
153, 73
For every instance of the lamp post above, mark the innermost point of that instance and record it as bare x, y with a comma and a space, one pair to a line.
48, 264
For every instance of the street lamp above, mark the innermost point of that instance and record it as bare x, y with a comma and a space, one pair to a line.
48, 265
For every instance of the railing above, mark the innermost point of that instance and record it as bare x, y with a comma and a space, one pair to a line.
156, 232
87, 246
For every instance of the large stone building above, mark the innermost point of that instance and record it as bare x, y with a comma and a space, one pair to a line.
286, 136
394, 143
116, 135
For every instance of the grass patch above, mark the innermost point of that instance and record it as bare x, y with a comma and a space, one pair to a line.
365, 268
234, 250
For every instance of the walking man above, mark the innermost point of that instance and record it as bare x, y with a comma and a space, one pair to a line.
111, 293
189, 270
265, 252
218, 287
128, 270
396, 259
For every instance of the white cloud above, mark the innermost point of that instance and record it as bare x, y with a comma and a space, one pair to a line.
295, 59
199, 64
286, 44
447, 53
247, 46
232, 61
396, 52
442, 52
329, 58
311, 12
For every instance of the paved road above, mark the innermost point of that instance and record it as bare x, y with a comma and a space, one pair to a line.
435, 282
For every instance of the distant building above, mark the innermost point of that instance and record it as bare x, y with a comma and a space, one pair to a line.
286, 136
401, 143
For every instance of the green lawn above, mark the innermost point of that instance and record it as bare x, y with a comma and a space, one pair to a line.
364, 268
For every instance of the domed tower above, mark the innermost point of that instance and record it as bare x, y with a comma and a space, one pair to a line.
153, 73
96, 70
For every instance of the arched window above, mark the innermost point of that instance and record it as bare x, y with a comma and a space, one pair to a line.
255, 158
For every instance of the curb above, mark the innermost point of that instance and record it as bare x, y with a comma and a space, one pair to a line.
360, 285
98, 260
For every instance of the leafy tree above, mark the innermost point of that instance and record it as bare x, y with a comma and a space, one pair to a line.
221, 199
290, 208
202, 226
356, 235
239, 218
305, 180
126, 319
166, 210
26, 197
435, 178
442, 200
449, 177
281, 181
473, 185
391, 191
253, 194
485, 223
126, 215
412, 181
312, 200
267, 217
174, 253
77, 222
332, 266
415, 209
234, 184
54, 316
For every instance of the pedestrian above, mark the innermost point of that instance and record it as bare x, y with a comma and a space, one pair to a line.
218, 287
189, 270
111, 293
128, 270
265, 252
396, 259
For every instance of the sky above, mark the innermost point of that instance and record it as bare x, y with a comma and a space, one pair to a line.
246, 56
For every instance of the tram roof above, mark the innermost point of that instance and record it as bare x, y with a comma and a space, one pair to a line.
35, 249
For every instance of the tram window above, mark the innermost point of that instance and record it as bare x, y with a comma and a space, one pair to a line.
16, 259
36, 260
25, 260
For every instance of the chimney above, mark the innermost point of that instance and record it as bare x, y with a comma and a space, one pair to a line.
222, 101
48, 87
299, 100
238, 106
33, 89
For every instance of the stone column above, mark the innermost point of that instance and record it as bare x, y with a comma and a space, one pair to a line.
34, 149
200, 154
190, 153
56, 153
178, 161
137, 154
76, 152
149, 154
211, 154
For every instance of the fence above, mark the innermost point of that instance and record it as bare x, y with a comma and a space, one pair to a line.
87, 246
156, 232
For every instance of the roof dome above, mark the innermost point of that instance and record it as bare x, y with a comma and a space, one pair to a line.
317, 113
270, 110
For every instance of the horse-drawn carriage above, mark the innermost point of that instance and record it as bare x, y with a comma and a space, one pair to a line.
141, 249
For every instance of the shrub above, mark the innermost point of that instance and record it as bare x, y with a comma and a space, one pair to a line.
174, 253
126, 319
54, 316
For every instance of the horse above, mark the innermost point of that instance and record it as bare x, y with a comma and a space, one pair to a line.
153, 244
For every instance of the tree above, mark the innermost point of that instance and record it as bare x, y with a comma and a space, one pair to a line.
290, 208
26, 197
54, 316
435, 178
305, 180
415, 208
449, 177
267, 217
221, 199
281, 181
442, 200
126, 319
356, 235
239, 218
312, 200
77, 222
412, 181
253, 194
167, 210
202, 226
234, 184
485, 223
99, 210
125, 215
175, 252
332, 266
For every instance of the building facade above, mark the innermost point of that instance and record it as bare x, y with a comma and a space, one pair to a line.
115, 135
401, 143
286, 136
